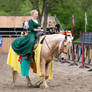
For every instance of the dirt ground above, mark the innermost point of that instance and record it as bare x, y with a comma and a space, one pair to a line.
66, 79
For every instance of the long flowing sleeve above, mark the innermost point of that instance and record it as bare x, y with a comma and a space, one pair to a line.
31, 25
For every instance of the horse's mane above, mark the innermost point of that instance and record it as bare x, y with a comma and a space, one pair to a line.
55, 40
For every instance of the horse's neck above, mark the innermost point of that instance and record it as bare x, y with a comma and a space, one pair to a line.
54, 42
54, 45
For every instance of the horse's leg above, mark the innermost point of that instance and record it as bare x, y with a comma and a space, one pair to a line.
14, 75
47, 70
42, 65
29, 84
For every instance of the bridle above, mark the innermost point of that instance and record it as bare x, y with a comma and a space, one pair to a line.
47, 45
59, 52
64, 52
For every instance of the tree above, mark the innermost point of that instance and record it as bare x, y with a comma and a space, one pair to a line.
11, 7
44, 7
26, 7
63, 9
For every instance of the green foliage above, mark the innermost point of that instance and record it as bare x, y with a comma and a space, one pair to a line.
67, 8
63, 9
3, 13
26, 7
14, 7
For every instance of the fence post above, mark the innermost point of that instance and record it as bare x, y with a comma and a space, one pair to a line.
73, 56
82, 54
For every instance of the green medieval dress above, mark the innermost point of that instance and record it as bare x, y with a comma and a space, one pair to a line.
24, 45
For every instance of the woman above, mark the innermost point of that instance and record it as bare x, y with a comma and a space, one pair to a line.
24, 45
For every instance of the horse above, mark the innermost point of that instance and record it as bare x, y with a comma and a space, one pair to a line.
50, 44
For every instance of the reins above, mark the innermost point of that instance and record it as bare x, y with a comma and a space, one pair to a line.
51, 49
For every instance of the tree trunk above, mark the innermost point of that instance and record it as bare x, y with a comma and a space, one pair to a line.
43, 6
45, 18
37, 7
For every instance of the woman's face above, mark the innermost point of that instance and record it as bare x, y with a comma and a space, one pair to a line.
35, 15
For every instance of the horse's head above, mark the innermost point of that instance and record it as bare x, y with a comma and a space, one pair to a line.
67, 43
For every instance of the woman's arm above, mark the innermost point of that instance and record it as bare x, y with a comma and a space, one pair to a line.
31, 27
38, 29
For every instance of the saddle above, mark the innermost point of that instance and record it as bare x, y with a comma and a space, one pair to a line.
36, 44
38, 38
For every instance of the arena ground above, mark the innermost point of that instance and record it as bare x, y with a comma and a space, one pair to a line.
66, 79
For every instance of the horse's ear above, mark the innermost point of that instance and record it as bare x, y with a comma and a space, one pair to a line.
65, 37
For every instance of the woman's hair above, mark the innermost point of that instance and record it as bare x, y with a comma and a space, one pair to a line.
33, 11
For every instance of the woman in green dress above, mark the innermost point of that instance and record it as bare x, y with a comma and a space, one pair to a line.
24, 45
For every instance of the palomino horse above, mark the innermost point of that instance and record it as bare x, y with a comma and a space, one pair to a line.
50, 45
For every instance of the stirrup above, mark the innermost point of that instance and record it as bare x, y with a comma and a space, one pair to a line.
35, 45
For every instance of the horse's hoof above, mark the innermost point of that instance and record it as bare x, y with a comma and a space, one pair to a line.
37, 84
12, 85
29, 85
44, 86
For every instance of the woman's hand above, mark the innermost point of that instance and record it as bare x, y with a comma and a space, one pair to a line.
39, 27
37, 30
40, 30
